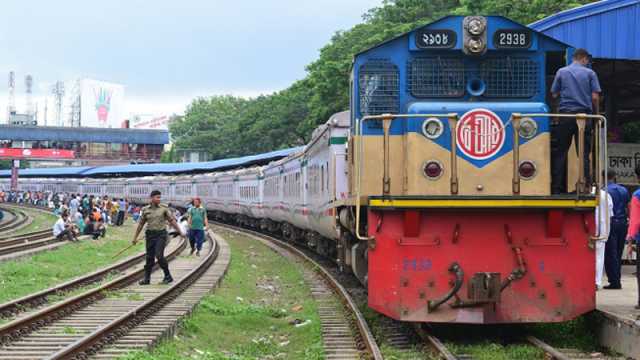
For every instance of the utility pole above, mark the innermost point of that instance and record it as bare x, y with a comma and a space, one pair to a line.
11, 106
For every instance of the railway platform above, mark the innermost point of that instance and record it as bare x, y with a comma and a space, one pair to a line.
616, 320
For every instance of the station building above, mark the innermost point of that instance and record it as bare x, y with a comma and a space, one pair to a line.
81, 146
610, 31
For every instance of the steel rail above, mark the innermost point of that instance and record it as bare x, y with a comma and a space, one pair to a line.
435, 343
23, 326
20, 218
22, 236
11, 247
369, 341
19, 305
108, 333
548, 349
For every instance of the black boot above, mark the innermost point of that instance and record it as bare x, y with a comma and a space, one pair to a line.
167, 280
144, 281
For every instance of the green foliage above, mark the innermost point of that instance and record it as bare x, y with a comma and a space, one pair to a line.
228, 126
169, 156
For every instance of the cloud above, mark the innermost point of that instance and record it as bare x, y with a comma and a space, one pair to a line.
166, 50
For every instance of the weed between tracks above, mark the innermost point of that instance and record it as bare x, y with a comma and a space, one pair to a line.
41, 221
40, 271
251, 315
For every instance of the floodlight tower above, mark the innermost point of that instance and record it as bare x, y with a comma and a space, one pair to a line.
58, 92
28, 82
11, 106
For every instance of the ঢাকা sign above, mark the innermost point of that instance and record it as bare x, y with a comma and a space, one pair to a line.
480, 134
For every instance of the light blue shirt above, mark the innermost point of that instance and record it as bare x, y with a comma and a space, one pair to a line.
575, 84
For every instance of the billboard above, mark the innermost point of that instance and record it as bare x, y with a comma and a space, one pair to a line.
158, 122
20, 153
101, 104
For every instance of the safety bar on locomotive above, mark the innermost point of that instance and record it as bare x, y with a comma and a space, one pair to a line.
598, 167
581, 186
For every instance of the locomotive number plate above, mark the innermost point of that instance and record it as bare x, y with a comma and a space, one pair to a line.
512, 39
435, 39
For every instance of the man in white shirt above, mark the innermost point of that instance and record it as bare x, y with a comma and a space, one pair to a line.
73, 205
63, 230
603, 219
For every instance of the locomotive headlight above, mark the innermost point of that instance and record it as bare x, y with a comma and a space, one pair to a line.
528, 128
475, 45
476, 26
432, 128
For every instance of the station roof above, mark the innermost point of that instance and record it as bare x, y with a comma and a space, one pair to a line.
152, 169
193, 167
608, 29
80, 134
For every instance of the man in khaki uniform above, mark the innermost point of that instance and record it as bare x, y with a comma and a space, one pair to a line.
156, 216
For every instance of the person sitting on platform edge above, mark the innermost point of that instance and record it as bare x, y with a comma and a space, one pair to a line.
633, 233
578, 88
618, 231
61, 229
155, 216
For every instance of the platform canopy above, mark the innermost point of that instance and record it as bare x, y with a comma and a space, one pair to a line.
87, 135
162, 168
608, 29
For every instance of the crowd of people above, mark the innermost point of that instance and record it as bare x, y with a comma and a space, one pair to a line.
82, 214
78, 214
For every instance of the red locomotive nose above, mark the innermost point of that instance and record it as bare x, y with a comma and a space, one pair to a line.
527, 169
432, 169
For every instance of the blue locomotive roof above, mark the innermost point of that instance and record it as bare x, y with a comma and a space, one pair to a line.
448, 20
608, 29
160, 168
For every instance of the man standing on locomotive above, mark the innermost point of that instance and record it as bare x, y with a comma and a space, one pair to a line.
578, 88
155, 216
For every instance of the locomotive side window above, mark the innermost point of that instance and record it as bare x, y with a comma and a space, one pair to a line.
436, 77
379, 87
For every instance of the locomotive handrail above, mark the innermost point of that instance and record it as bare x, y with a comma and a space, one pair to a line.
386, 180
599, 154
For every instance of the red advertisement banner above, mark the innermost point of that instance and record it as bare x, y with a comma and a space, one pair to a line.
18, 153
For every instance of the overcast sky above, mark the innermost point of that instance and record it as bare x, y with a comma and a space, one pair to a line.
166, 52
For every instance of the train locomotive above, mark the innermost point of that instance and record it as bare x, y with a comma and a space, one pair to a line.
434, 188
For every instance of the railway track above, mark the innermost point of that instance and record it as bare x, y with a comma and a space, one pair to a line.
18, 219
27, 244
116, 317
345, 332
550, 353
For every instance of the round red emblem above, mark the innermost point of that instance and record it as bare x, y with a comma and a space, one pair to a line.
480, 134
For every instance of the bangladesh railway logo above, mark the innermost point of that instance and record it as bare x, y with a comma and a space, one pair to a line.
480, 134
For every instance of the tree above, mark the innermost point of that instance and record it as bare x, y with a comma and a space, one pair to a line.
229, 126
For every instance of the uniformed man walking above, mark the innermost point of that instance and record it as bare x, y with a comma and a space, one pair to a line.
155, 216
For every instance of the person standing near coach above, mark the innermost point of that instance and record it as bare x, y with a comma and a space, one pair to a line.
633, 233
578, 88
197, 224
618, 234
156, 216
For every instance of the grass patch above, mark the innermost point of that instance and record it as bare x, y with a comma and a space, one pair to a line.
41, 221
576, 333
40, 271
249, 316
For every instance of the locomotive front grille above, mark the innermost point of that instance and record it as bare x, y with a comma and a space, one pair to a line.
510, 77
436, 77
